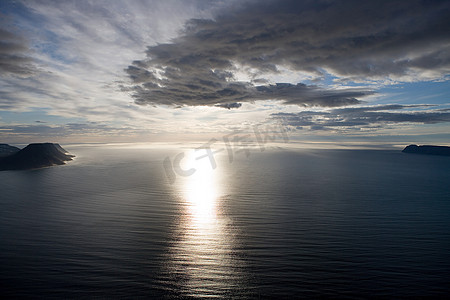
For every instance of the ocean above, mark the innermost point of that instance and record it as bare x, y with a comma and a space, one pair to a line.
126, 221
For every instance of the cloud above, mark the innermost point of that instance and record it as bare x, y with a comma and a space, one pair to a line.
70, 129
363, 118
351, 40
225, 54
310, 95
78, 50
230, 105
14, 55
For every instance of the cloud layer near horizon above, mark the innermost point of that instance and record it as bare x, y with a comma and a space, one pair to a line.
351, 40
363, 118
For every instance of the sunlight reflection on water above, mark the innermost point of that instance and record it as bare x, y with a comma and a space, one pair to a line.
202, 256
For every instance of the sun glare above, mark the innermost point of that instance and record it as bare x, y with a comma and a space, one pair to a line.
201, 191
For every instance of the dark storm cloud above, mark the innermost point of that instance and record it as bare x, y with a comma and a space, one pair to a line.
363, 117
229, 105
310, 95
349, 39
14, 59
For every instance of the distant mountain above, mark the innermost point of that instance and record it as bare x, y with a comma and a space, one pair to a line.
6, 150
35, 156
426, 149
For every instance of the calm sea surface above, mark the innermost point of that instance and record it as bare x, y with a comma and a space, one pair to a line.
117, 222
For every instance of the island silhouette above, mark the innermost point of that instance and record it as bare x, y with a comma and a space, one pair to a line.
427, 149
6, 150
33, 156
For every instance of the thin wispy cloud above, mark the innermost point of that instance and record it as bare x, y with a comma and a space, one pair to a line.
15, 57
67, 57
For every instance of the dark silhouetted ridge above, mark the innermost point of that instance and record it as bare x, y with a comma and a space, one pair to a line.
426, 149
6, 150
35, 156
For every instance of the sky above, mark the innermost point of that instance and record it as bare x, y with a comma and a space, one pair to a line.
368, 73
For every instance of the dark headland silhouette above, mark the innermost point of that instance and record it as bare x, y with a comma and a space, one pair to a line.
6, 150
33, 156
427, 149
